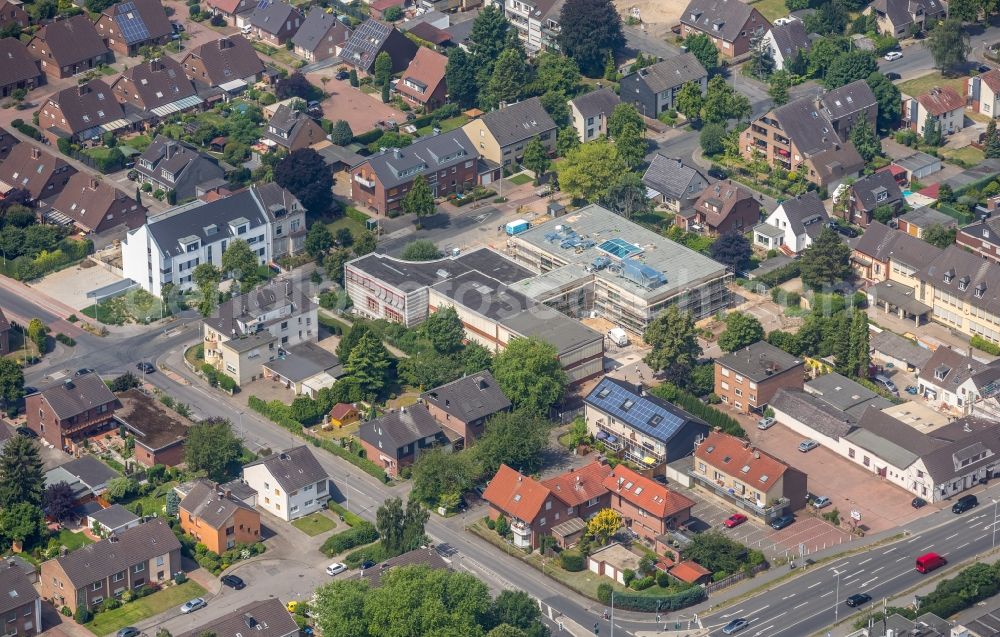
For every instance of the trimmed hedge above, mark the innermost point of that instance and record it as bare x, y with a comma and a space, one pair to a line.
351, 519
375, 553
368, 137
677, 601
777, 277
572, 561
363, 533
981, 343
693, 405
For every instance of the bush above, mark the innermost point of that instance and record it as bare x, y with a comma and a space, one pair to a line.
491, 525
981, 343
210, 374
643, 583
180, 578
662, 579
649, 604
694, 405
359, 535
83, 615
779, 276
351, 519
375, 553
65, 611
628, 575
572, 561
65, 340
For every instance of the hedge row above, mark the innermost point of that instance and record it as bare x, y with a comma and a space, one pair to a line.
987, 346
694, 405
648, 604
359, 535
777, 277
296, 428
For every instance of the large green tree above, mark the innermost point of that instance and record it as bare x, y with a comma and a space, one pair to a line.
778, 85
438, 473
341, 133
383, 68
536, 158
867, 143
856, 64
369, 364
240, 262
723, 102
860, 357
11, 382
631, 146
420, 250
491, 32
627, 196
733, 250
742, 329
826, 262
702, 47
529, 373
590, 30
889, 100
318, 240
515, 439
22, 522
761, 62
623, 115
460, 75
674, 342
940, 236
589, 170
419, 201
556, 73
304, 173
400, 528
949, 44
22, 478
690, 101
444, 330
510, 74
212, 447
207, 278
992, 146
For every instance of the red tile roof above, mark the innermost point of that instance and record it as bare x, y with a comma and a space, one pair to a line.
575, 487
689, 571
735, 457
940, 100
991, 79
427, 68
931, 191
516, 495
341, 410
646, 494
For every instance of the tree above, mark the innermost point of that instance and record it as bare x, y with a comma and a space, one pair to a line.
353, 78
588, 171
604, 525
444, 330
318, 240
489, 36
623, 116
889, 100
867, 143
556, 73
722, 102
884, 213
389, 522
702, 47
690, 101
369, 364
761, 62
414, 520
949, 44
536, 158
554, 103
437, 473
627, 196
733, 250
212, 447
939, 236
420, 200
841, 340
341, 133
364, 243
295, 85
711, 138
22, 478
510, 73
515, 439
11, 382
121, 488
385, 93
21, 522
590, 30
566, 141
932, 132
59, 500
240, 262
860, 357
516, 609
305, 175
460, 75
383, 69
420, 250
798, 64
857, 64
824, 52
741, 330
674, 342
992, 140
826, 262
964, 10
778, 85
529, 373
830, 18
207, 277
351, 339
38, 334
124, 382
631, 146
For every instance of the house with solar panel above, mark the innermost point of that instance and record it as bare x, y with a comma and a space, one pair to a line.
82, 112
70, 46
275, 22
128, 26
640, 427
374, 37
158, 88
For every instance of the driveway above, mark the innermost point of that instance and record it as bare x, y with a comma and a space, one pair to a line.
360, 110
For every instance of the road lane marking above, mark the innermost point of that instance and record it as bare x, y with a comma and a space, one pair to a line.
913, 540
763, 631
866, 561
735, 612
827, 594
776, 617
854, 574
758, 610
902, 558
953, 535
962, 546
929, 546
814, 585
789, 597
800, 605
981, 537
890, 550
877, 570
865, 584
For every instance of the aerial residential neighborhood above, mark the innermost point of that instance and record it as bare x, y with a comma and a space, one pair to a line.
499, 318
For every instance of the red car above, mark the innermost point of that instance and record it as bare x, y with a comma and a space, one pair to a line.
735, 519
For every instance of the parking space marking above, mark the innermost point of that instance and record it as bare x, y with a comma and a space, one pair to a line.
866, 561
962, 546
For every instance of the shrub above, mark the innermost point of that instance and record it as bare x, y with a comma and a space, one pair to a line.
83, 615
987, 346
628, 575
226, 383
662, 579
375, 553
490, 524
66, 612
364, 533
604, 591
572, 561
643, 583
210, 373
180, 578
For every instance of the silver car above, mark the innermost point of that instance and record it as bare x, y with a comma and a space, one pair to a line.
807, 445
765, 423
193, 604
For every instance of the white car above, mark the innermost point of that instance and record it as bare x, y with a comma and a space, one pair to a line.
893, 55
335, 568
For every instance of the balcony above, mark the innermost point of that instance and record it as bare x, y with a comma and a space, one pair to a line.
367, 183
760, 143
783, 153
760, 130
781, 140
767, 513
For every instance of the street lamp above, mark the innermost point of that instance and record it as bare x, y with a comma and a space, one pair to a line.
995, 502
836, 602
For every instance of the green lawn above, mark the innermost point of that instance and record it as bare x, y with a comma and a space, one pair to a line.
970, 155
153, 502
355, 226
134, 612
446, 125
71, 540
519, 179
772, 9
924, 83
314, 524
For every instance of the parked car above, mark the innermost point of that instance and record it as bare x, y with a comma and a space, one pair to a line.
735, 519
342, 75
28, 389
335, 568
128, 631
918, 503
145, 367
193, 604
858, 599
781, 522
735, 626
847, 231
715, 172
367, 564
233, 581
26, 432
821, 501
807, 445
965, 503
891, 56
883, 381
892, 77
83, 370
765, 423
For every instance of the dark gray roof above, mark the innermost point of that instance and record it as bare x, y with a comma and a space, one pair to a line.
334, 154
986, 625
16, 64
396, 429
806, 126
154, 426
901, 348
184, 163
900, 433
227, 59
396, 166
239, 489
955, 269
205, 502
837, 162
103, 559
813, 411
901, 12
884, 243
18, 588
140, 20
371, 38
315, 28
74, 396
72, 40
469, 398
673, 71
917, 161
518, 122
90, 471
870, 187
305, 360
412, 275
271, 17
839, 391
759, 361
460, 31
848, 99
114, 516
417, 557
986, 231
208, 222
897, 295
599, 102
267, 618
234, 317
671, 177
790, 37
724, 19
293, 468
948, 368
960, 441
925, 216
804, 212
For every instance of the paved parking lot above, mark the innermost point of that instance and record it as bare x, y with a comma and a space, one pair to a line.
359, 110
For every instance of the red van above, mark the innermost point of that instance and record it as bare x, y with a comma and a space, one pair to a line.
929, 561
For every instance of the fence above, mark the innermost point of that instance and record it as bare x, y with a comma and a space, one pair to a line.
735, 577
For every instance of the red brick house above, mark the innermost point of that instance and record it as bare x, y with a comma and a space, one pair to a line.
584, 494
126, 27
73, 409
730, 25
721, 208
871, 192
422, 84
71, 46
21, 607
747, 378
530, 507
648, 507
11, 14
81, 112
464, 405
395, 439
42, 174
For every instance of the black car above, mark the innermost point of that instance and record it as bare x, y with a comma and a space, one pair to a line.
893, 76
918, 503
847, 231
145, 367
84, 370
984, 68
717, 173
781, 522
233, 582
28, 389
342, 75
964, 503
367, 564
25, 432
858, 599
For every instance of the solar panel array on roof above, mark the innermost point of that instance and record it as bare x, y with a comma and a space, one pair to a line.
639, 412
131, 23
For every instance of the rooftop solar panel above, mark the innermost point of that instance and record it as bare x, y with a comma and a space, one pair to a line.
647, 414
133, 27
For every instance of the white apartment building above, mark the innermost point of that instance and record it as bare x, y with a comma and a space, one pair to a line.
536, 21
289, 484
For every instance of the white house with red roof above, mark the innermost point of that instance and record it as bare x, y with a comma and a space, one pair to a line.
941, 103
983, 93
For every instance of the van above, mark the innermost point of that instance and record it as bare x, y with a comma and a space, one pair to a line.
246, 29
964, 503
929, 561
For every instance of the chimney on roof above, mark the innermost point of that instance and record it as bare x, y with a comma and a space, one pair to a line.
578, 484
395, 153
170, 149
93, 183
756, 454
36, 152
63, 551
155, 65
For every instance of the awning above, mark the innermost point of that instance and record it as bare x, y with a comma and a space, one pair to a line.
233, 85
652, 193
5, 187
114, 125
649, 460
58, 218
176, 107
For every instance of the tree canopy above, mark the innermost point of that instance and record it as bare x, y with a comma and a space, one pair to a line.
675, 349
306, 176
827, 261
22, 478
702, 47
589, 170
515, 439
949, 44
590, 31
856, 64
212, 447
529, 373
732, 250
742, 329
420, 250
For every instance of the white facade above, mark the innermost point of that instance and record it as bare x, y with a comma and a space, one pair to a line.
536, 31
287, 506
795, 242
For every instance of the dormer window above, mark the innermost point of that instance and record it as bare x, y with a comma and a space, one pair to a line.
986, 233
980, 290
948, 276
963, 283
